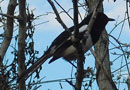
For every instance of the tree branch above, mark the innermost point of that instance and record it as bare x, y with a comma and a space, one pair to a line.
128, 82
91, 22
8, 29
101, 66
78, 46
10, 16
127, 12
57, 15
80, 57
109, 84
21, 42
123, 53
63, 9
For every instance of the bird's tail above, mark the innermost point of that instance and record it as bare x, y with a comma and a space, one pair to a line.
34, 67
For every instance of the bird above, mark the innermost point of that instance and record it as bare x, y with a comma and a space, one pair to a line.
63, 46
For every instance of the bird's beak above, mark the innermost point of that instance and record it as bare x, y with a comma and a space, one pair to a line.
111, 19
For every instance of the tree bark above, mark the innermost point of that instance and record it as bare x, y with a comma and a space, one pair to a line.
8, 29
6, 42
102, 45
77, 45
101, 50
128, 82
21, 42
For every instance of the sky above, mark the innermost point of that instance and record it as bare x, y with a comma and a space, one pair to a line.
47, 32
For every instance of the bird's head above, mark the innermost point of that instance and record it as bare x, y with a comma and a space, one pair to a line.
101, 21
103, 18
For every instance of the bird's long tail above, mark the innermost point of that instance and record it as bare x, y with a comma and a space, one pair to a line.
34, 67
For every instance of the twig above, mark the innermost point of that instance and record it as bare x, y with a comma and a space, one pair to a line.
127, 13
72, 64
63, 9
128, 82
70, 83
122, 52
118, 25
41, 23
121, 28
10, 16
57, 15
116, 58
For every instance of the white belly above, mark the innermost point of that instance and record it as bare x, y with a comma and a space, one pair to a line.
88, 44
69, 50
86, 47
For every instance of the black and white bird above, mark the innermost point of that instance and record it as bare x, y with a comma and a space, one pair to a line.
62, 46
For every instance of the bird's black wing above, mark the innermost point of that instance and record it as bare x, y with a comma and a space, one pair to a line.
66, 34
61, 48
61, 39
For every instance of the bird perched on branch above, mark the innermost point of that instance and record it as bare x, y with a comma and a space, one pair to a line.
62, 46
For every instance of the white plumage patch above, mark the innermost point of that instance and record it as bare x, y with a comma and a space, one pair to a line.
88, 44
69, 50
81, 29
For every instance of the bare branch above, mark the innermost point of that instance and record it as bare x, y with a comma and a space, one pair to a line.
78, 46
121, 67
123, 53
63, 9
70, 83
121, 27
128, 82
21, 42
116, 25
127, 12
9, 30
88, 29
10, 16
57, 15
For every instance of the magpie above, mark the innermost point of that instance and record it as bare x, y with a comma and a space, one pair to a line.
62, 46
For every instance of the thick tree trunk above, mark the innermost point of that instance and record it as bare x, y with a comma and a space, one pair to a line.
6, 42
8, 29
101, 49
21, 42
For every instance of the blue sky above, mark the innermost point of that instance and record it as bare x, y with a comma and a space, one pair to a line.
46, 33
